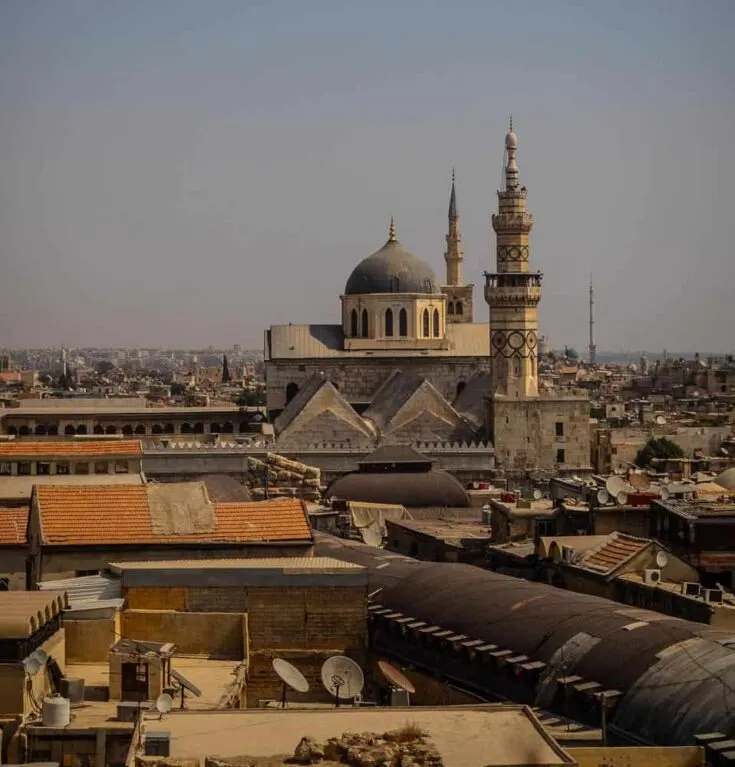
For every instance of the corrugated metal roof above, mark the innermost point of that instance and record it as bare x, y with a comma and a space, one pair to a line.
86, 590
265, 563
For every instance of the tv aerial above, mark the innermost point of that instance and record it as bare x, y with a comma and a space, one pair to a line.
164, 704
396, 677
291, 677
342, 678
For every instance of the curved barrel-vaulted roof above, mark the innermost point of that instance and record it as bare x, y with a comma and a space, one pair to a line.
674, 678
22, 613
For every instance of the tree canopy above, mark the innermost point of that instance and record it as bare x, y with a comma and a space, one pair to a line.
660, 447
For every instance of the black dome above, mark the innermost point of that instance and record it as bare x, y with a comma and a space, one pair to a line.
392, 269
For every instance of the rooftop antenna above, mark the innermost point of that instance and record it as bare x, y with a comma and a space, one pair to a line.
592, 347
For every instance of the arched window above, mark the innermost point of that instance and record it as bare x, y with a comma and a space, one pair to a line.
388, 322
41, 430
98, 429
169, 428
215, 428
402, 323
436, 323
291, 391
460, 387
53, 431
157, 429
24, 431
228, 428
186, 428
140, 429
353, 323
110, 430
364, 323
198, 428
459, 308
69, 430
425, 323
516, 366
450, 308
81, 429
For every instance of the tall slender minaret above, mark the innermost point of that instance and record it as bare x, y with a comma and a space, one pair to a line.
454, 255
592, 347
459, 296
513, 292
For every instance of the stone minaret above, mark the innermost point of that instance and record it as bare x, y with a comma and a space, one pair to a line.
459, 295
513, 292
454, 255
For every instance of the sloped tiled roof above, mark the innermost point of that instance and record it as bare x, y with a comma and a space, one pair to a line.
611, 554
98, 515
13, 524
14, 449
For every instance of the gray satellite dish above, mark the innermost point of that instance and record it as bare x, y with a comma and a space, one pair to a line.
537, 495
290, 676
342, 678
603, 497
41, 656
661, 559
31, 665
164, 703
621, 498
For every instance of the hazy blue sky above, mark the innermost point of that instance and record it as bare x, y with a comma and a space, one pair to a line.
187, 172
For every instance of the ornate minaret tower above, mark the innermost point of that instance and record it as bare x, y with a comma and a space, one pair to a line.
459, 295
513, 292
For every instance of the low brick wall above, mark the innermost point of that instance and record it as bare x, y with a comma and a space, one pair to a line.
218, 635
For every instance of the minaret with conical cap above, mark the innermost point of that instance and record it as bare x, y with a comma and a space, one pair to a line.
459, 295
513, 291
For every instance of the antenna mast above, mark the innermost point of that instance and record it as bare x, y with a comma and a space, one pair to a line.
592, 347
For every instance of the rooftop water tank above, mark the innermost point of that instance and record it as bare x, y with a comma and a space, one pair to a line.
56, 712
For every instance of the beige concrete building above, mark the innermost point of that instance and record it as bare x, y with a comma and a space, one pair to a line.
532, 429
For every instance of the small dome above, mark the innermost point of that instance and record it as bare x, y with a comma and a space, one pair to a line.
511, 140
392, 269
727, 479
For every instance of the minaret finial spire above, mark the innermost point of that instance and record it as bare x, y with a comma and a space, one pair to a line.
510, 124
392, 230
453, 212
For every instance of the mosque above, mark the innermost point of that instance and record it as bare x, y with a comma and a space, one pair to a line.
408, 363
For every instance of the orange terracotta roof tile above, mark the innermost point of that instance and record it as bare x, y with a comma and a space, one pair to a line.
613, 552
98, 515
13, 524
50, 449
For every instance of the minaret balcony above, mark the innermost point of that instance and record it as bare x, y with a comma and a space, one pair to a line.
512, 221
511, 297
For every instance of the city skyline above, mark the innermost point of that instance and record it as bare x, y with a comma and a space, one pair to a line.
173, 177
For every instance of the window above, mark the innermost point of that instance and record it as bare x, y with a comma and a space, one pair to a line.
5, 467
436, 323
121, 467
364, 323
425, 323
101, 467
459, 309
560, 456
291, 391
4, 584
559, 427
353, 323
24, 468
81, 468
388, 322
450, 308
43, 467
62, 467
402, 323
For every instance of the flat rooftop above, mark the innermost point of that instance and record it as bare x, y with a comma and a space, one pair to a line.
466, 736
448, 530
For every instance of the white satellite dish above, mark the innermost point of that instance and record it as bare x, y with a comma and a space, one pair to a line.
164, 703
31, 665
665, 494
291, 677
372, 536
621, 498
603, 497
615, 485
342, 678
660, 420
661, 559
537, 495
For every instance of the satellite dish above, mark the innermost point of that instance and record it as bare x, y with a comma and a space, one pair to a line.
639, 480
665, 494
291, 677
31, 665
537, 495
164, 703
372, 536
615, 485
661, 420
661, 559
41, 656
342, 678
621, 498
395, 677
603, 497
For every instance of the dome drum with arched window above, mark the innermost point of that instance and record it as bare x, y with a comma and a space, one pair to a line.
392, 300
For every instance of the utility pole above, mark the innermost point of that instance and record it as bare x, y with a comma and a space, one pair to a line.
592, 347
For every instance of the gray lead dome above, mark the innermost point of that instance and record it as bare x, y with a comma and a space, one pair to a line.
392, 269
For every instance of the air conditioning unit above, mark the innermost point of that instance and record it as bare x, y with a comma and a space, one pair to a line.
651, 576
399, 697
689, 589
713, 596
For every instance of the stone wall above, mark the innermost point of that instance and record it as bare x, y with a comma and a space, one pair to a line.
525, 433
218, 635
359, 378
13, 566
88, 641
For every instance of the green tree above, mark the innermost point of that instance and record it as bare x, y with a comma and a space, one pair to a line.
657, 448
178, 389
251, 397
